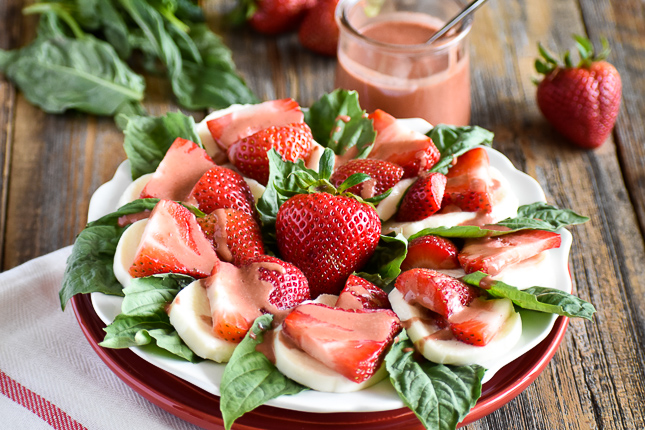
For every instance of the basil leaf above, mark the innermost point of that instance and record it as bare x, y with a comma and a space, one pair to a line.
61, 73
386, 260
250, 379
548, 300
542, 216
90, 265
453, 141
338, 122
144, 317
147, 139
439, 395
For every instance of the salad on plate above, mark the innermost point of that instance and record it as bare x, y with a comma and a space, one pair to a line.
294, 258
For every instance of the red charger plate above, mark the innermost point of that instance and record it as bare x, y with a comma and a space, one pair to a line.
199, 407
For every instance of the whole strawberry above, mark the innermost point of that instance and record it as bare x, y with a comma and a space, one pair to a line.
270, 17
319, 31
581, 102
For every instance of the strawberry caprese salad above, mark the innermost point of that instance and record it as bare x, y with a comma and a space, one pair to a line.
329, 248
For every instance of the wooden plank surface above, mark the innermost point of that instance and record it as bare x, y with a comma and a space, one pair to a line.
597, 378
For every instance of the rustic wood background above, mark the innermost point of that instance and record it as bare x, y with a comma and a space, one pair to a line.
51, 165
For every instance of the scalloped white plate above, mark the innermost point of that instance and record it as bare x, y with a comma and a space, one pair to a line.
381, 397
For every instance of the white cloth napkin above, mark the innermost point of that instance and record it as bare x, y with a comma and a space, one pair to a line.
49, 375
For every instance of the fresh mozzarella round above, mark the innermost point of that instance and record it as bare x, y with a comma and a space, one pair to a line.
296, 364
389, 205
440, 349
133, 191
505, 206
257, 189
190, 315
126, 250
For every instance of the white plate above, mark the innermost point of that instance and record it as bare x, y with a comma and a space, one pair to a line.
381, 397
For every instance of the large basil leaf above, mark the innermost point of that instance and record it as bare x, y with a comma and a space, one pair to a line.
542, 216
453, 141
385, 264
250, 379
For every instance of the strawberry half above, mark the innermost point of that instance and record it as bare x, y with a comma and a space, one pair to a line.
360, 293
221, 188
481, 322
230, 128
290, 287
491, 255
469, 181
249, 154
178, 171
173, 242
431, 252
436, 291
235, 235
423, 198
384, 176
396, 143
351, 342
327, 237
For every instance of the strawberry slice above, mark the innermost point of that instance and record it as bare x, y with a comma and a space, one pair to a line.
384, 176
249, 154
221, 188
413, 151
436, 291
173, 242
244, 122
469, 182
237, 296
431, 252
360, 293
492, 254
481, 321
423, 198
351, 342
178, 171
235, 235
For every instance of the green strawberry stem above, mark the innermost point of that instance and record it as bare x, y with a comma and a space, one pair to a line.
548, 63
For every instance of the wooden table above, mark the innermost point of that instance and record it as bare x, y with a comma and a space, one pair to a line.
51, 165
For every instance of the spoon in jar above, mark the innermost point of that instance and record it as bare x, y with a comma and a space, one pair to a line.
473, 6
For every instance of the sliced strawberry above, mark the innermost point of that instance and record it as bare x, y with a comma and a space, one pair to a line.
469, 181
492, 254
235, 235
436, 291
249, 154
396, 143
360, 293
351, 342
173, 242
481, 321
178, 171
423, 198
384, 176
431, 252
220, 188
244, 122
290, 287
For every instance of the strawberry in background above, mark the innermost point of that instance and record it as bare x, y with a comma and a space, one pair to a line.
582, 101
319, 31
271, 17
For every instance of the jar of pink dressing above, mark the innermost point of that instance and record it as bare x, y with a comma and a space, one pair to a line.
382, 55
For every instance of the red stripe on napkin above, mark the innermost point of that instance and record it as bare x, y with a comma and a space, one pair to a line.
40, 406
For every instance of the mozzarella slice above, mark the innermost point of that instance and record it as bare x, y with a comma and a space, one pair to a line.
133, 191
302, 368
389, 205
126, 250
257, 189
437, 348
190, 315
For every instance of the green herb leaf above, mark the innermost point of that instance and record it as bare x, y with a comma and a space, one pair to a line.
386, 261
542, 216
250, 379
548, 300
338, 122
147, 139
453, 141
89, 266
439, 395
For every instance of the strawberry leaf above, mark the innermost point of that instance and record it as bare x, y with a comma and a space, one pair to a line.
338, 122
439, 395
541, 299
250, 379
453, 141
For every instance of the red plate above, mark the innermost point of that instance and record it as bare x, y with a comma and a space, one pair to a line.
199, 407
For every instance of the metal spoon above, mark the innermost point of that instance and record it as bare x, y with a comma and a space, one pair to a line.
473, 6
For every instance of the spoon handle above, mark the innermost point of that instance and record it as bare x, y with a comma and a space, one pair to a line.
473, 6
